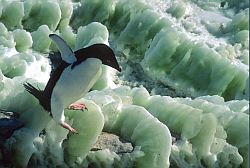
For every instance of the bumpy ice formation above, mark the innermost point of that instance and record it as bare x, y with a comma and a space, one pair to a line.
175, 44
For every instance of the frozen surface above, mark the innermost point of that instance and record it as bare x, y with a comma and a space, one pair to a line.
181, 99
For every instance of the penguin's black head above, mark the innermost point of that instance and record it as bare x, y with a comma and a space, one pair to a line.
107, 56
100, 51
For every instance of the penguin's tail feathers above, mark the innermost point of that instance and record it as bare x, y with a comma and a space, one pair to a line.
32, 90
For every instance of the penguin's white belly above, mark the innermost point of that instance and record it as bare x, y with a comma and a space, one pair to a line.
74, 83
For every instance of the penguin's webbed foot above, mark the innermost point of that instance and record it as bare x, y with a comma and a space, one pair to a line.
78, 106
68, 127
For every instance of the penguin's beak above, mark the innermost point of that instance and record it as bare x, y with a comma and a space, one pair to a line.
119, 69
113, 63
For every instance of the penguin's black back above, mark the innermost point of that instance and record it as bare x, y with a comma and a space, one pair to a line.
51, 84
44, 96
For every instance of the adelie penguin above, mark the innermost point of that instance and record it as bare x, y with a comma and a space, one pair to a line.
73, 78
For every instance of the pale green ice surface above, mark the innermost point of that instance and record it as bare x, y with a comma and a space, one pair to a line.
23, 40
196, 48
141, 128
206, 134
89, 125
203, 52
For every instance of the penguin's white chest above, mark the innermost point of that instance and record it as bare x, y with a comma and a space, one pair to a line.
74, 83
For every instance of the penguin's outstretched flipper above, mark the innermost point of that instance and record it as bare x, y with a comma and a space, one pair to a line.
66, 52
